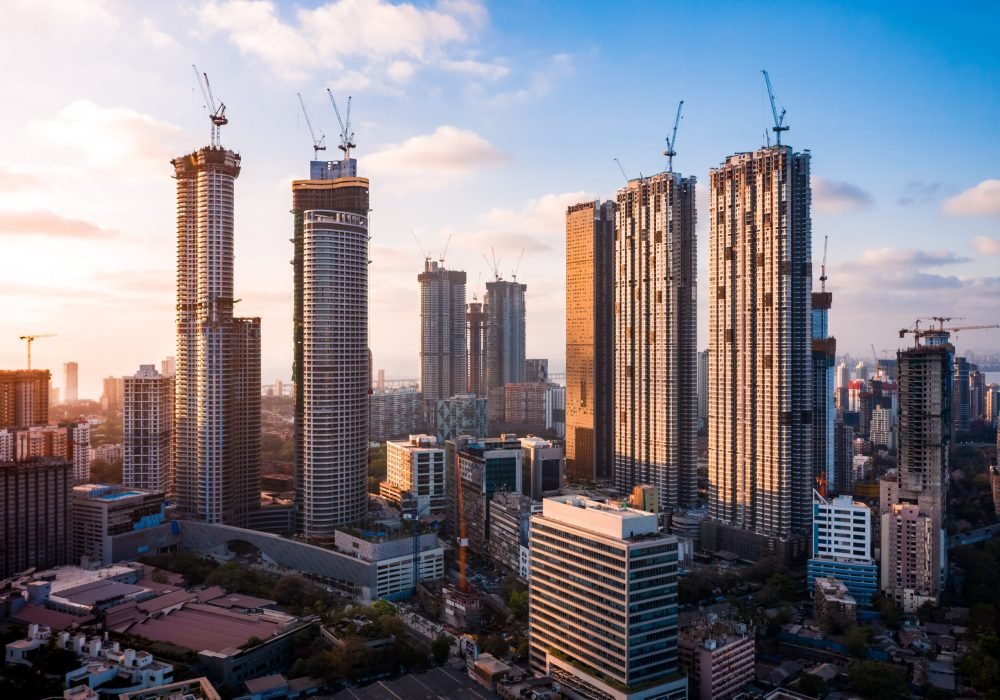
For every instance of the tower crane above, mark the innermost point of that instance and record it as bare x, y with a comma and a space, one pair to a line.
445, 251
622, 168
940, 333
318, 144
217, 114
822, 273
31, 338
518, 266
779, 119
420, 245
346, 135
494, 266
672, 141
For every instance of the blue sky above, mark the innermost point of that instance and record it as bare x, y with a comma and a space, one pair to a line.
482, 121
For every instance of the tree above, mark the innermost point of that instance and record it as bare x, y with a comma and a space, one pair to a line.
441, 648
812, 685
493, 644
383, 607
874, 679
519, 604
857, 640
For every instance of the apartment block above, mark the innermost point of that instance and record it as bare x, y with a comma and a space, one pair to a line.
24, 397
147, 430
719, 657
603, 601
510, 516
415, 476
842, 546
504, 333
443, 359
36, 514
69, 441
394, 413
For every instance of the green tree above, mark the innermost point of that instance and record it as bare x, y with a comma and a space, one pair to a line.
441, 648
519, 604
874, 679
857, 640
382, 607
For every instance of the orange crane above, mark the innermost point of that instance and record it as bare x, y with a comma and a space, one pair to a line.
941, 332
31, 338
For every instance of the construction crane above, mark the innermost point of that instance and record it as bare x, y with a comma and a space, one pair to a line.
217, 114
941, 333
445, 251
518, 266
672, 141
346, 135
822, 273
494, 266
31, 338
779, 119
420, 245
620, 167
878, 367
319, 144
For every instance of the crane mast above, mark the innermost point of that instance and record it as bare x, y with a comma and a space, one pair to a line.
346, 135
779, 119
672, 141
318, 144
217, 113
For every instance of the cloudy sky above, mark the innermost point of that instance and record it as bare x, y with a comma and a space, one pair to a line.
483, 122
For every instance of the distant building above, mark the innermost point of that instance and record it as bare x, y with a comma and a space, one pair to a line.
995, 486
168, 366
147, 430
415, 478
394, 413
475, 328
992, 406
115, 523
532, 408
504, 328
960, 403
719, 657
842, 546
443, 370
536, 371
882, 431
71, 374
113, 396
544, 467
464, 414
36, 514
834, 602
842, 381
578, 633
703, 389
510, 515
843, 456
24, 398
69, 441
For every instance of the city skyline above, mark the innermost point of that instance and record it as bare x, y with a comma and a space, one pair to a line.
479, 151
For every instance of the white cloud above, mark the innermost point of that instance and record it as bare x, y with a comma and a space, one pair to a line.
835, 197
110, 137
332, 35
907, 257
435, 159
489, 71
984, 245
400, 71
542, 82
981, 200
46, 223
156, 38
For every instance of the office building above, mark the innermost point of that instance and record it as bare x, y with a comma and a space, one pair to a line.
603, 592
824, 354
443, 360
544, 467
719, 657
116, 523
504, 334
510, 519
961, 396
536, 371
842, 546
415, 479
478, 468
394, 413
913, 551
217, 381
113, 395
147, 430
656, 393
332, 370
464, 414
36, 514
590, 288
702, 389
760, 451
24, 397
476, 372
71, 382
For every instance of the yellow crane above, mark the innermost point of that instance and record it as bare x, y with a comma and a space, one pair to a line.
31, 338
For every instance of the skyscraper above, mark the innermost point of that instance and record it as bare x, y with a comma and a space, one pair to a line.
960, 397
71, 372
656, 394
147, 430
590, 285
824, 355
36, 514
217, 390
331, 369
603, 618
24, 397
442, 332
842, 379
504, 349
760, 363
476, 377
703, 389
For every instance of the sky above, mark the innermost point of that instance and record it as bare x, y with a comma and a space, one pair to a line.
481, 122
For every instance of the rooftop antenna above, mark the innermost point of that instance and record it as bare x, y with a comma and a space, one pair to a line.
217, 114
346, 135
672, 141
518, 266
779, 119
318, 144
621, 168
822, 274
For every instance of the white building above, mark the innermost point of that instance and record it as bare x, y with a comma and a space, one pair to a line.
147, 430
544, 467
842, 546
592, 565
882, 430
415, 478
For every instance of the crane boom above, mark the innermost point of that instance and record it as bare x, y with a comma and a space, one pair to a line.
779, 120
346, 135
217, 114
318, 144
941, 330
822, 274
444, 253
30, 338
672, 141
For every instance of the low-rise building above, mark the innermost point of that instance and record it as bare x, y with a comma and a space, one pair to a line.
393, 559
719, 657
193, 689
834, 603
415, 476
510, 516
544, 467
115, 523
842, 546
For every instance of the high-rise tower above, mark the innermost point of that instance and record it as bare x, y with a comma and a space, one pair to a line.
824, 355
330, 331
590, 285
476, 379
442, 332
217, 397
71, 371
147, 427
504, 333
760, 410
656, 396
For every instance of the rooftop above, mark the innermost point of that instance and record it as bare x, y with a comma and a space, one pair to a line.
608, 519
201, 627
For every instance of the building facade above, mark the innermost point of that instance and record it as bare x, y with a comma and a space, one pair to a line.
415, 478
394, 413
461, 415
36, 514
24, 397
842, 546
330, 335
719, 657
443, 359
117, 523
703, 389
824, 355
69, 441
71, 382
504, 334
655, 332
217, 389
760, 451
475, 329
590, 288
603, 601
147, 430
